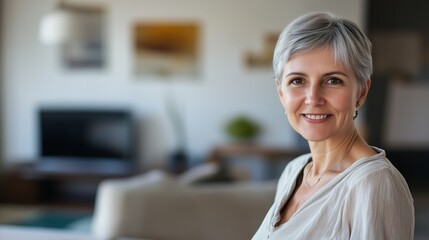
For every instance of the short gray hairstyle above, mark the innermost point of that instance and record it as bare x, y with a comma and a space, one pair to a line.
317, 30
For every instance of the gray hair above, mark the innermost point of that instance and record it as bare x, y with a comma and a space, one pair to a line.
317, 30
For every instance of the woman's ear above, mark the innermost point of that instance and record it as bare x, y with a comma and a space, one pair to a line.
279, 88
363, 93
280, 92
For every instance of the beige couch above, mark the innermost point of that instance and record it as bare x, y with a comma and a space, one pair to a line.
156, 206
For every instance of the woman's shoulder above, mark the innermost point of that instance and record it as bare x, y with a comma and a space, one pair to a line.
375, 163
376, 171
378, 202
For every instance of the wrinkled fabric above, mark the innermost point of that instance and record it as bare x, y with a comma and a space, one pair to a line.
369, 200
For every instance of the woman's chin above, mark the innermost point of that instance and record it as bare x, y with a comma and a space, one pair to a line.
314, 138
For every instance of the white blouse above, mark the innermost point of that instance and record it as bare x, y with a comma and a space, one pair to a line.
369, 200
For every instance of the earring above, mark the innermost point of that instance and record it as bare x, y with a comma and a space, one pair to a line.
356, 114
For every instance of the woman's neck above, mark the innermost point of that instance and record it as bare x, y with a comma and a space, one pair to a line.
331, 155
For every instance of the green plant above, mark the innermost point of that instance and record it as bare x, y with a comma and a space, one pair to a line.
242, 128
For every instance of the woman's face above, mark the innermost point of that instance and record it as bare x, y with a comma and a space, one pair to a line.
320, 96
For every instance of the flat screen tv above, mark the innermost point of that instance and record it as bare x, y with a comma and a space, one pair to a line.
93, 139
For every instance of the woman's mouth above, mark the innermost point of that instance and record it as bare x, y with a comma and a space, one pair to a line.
316, 116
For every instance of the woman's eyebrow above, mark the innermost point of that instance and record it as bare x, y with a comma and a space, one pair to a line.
296, 73
324, 75
335, 73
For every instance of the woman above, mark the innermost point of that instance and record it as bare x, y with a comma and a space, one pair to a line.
343, 189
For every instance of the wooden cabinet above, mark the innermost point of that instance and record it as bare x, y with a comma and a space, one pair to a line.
24, 184
16, 188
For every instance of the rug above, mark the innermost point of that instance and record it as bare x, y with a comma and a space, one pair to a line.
58, 220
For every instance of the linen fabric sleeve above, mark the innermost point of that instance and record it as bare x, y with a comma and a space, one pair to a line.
379, 206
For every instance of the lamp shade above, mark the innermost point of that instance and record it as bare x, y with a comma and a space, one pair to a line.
57, 27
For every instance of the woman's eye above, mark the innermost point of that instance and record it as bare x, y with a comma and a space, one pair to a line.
334, 81
296, 81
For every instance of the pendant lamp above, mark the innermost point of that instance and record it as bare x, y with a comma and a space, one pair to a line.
58, 26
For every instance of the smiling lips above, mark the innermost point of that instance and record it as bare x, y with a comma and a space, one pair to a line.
316, 116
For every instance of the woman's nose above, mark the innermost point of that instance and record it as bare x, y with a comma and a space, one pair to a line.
314, 96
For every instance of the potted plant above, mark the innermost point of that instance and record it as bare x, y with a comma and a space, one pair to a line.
242, 129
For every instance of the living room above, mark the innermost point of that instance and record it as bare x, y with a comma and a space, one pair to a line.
180, 105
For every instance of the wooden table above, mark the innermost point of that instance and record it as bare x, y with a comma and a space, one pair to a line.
267, 153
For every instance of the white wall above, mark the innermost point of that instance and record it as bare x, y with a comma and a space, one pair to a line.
407, 115
1, 84
33, 75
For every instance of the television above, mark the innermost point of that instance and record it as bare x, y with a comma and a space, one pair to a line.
85, 140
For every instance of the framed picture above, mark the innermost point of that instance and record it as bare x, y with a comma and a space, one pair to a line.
87, 48
166, 49
262, 59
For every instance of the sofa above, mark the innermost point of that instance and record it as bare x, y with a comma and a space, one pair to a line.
198, 204
158, 206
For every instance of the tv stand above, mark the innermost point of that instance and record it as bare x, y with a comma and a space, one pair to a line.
26, 184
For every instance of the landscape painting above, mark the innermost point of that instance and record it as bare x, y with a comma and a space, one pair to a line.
166, 50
